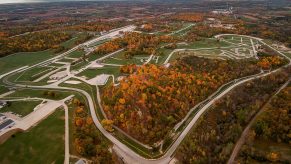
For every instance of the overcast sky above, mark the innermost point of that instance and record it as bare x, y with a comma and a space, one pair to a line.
29, 1
17, 1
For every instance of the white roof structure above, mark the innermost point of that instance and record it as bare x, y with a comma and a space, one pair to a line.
72, 82
80, 161
59, 75
95, 65
101, 79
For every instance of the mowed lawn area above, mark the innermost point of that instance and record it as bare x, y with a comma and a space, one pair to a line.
76, 54
120, 59
22, 108
91, 73
42, 144
40, 93
10, 62
32, 74
204, 43
3, 89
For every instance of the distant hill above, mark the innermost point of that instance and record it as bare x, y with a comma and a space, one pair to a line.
34, 1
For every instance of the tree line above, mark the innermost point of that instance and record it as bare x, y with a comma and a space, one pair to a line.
214, 136
153, 99
37, 41
88, 141
134, 44
271, 128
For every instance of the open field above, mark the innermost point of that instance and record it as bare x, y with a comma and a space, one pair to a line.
91, 73
183, 30
65, 60
121, 60
228, 48
165, 52
33, 73
42, 144
70, 43
134, 60
38, 93
223, 53
76, 54
3, 89
22, 108
141, 80
79, 65
18, 60
205, 43
207, 54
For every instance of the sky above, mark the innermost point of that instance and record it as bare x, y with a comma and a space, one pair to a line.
31, 1
17, 1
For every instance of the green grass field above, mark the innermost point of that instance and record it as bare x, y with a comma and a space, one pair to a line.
213, 54
22, 108
42, 144
205, 43
38, 93
186, 28
89, 89
134, 60
121, 60
165, 53
90, 73
76, 54
66, 60
70, 43
18, 60
32, 74
238, 40
3, 89
79, 65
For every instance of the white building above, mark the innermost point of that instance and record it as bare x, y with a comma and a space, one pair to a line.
3, 104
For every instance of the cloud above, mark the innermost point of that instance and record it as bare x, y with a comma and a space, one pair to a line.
33, 1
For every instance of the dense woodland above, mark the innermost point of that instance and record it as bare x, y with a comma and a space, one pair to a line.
47, 34
88, 141
152, 99
213, 138
205, 31
97, 26
37, 41
57, 24
242, 26
160, 25
152, 27
271, 62
267, 31
134, 44
271, 129
189, 17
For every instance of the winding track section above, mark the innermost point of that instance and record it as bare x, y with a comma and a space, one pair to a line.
129, 155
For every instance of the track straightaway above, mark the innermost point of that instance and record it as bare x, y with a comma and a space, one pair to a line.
128, 154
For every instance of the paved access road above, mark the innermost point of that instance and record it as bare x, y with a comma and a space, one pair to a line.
129, 155
241, 140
